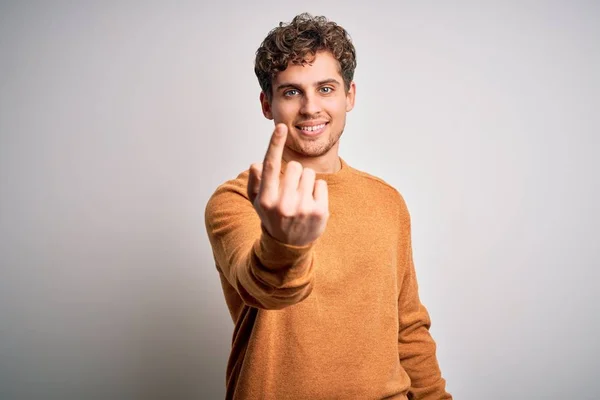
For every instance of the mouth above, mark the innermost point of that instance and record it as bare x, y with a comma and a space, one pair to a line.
312, 130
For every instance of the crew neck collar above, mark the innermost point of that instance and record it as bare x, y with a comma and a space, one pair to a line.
330, 178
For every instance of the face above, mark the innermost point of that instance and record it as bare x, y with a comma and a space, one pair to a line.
312, 102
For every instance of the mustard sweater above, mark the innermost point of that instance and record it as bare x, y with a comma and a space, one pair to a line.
339, 318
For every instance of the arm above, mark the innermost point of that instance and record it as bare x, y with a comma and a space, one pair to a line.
262, 239
416, 348
265, 272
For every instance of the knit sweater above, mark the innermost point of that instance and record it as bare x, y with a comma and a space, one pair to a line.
339, 318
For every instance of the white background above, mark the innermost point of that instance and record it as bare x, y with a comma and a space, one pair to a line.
118, 121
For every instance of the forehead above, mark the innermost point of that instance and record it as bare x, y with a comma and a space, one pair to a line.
323, 66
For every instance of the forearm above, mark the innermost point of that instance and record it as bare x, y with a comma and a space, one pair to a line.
264, 272
274, 275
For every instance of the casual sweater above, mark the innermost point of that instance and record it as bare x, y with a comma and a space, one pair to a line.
339, 318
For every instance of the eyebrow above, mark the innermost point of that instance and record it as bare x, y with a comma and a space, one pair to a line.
295, 85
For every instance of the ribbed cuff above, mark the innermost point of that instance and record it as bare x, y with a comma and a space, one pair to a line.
274, 254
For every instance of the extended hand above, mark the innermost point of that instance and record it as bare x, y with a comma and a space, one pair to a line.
295, 209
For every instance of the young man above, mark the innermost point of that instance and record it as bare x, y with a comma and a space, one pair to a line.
314, 256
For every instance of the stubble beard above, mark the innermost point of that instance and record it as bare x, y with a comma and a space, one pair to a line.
317, 147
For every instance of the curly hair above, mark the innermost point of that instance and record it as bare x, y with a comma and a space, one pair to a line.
297, 43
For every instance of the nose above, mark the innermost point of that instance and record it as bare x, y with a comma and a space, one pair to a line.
311, 104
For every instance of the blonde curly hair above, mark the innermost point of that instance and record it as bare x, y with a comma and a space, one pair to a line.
297, 42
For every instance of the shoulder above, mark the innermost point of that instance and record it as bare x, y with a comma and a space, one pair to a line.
231, 194
237, 185
383, 189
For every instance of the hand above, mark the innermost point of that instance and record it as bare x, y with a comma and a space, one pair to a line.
294, 209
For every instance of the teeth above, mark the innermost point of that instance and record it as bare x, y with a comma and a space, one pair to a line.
312, 128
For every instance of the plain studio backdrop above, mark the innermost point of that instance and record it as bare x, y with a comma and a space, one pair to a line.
118, 121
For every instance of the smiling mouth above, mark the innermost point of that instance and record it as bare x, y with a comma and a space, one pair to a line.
312, 129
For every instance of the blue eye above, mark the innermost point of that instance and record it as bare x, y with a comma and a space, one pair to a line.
326, 89
291, 92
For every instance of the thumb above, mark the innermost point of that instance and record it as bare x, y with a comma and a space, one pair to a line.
254, 177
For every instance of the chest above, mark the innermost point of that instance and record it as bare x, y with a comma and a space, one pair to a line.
358, 252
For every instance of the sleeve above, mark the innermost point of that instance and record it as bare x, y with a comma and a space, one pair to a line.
416, 347
266, 273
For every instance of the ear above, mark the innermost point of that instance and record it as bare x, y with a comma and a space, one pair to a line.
350, 96
266, 106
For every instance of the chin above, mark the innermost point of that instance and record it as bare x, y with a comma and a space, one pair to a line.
315, 148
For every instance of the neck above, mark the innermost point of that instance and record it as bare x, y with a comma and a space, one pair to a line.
328, 163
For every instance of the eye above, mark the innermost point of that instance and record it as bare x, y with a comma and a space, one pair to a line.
291, 92
326, 89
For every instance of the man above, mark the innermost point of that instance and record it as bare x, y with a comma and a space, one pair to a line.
315, 256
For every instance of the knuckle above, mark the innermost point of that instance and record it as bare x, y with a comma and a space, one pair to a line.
321, 213
268, 165
285, 211
305, 211
303, 208
265, 203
